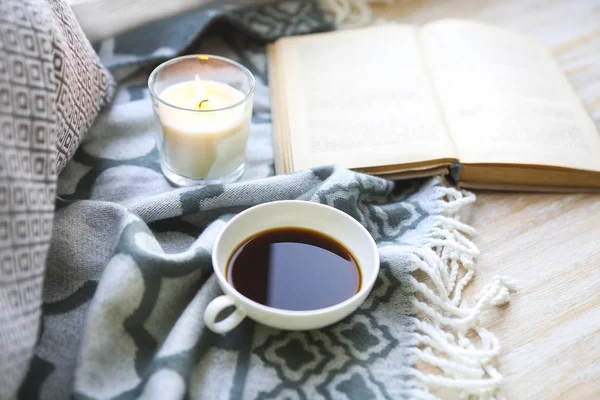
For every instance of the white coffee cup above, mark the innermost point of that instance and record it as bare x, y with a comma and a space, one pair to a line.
289, 213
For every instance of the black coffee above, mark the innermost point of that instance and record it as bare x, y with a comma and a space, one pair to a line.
294, 269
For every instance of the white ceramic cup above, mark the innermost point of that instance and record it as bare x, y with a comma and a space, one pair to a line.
289, 213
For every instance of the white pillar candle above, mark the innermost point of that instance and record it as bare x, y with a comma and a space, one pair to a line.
207, 139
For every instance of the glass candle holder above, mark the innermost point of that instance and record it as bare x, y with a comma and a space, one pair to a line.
204, 106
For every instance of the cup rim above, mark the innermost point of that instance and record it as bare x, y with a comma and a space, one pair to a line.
231, 290
164, 64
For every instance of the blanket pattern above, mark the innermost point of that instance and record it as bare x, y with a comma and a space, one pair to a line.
129, 273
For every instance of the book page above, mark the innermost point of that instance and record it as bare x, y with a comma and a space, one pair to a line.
505, 99
359, 99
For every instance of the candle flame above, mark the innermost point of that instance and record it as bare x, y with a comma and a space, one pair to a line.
200, 93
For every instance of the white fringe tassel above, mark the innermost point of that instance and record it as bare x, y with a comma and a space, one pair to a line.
350, 13
450, 337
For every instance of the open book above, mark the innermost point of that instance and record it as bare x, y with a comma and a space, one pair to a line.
401, 101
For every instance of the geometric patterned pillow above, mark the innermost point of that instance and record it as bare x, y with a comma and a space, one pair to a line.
52, 87
83, 85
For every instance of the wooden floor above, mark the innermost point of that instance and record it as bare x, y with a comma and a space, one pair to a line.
550, 244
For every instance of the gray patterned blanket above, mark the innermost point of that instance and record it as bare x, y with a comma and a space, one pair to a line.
129, 268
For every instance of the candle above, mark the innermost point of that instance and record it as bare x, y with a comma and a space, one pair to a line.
202, 143
204, 106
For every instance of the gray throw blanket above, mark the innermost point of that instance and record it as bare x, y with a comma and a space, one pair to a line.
129, 275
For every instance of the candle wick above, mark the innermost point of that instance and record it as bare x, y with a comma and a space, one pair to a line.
200, 104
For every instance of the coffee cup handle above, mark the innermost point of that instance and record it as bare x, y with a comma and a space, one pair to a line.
214, 308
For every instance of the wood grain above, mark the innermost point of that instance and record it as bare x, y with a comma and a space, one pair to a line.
550, 244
